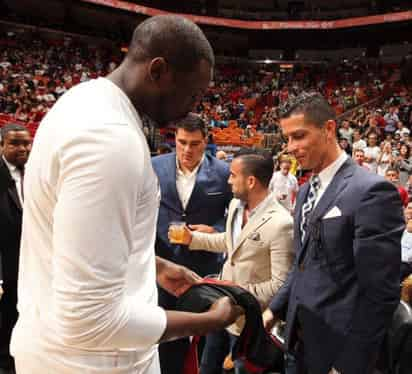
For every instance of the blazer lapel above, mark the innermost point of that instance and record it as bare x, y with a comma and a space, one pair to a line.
229, 226
169, 192
301, 198
9, 183
253, 224
335, 188
338, 184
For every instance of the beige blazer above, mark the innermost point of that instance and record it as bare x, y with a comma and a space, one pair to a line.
262, 256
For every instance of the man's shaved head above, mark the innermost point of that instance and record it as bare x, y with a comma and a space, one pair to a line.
178, 40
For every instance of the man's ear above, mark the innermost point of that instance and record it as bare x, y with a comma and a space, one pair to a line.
251, 181
330, 127
158, 69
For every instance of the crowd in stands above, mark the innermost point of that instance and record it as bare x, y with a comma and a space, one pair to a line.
241, 105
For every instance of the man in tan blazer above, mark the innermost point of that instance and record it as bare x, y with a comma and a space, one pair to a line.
258, 243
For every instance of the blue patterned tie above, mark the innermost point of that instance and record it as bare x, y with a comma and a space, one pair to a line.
309, 204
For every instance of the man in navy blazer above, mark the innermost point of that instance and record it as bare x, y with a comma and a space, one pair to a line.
194, 189
344, 285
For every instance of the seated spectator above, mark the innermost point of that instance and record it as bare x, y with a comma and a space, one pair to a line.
406, 266
372, 152
392, 175
344, 144
358, 142
346, 132
404, 163
359, 157
385, 159
163, 149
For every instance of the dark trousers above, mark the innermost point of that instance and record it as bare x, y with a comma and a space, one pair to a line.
217, 347
8, 316
172, 356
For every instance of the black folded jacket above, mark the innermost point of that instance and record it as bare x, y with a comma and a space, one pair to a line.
255, 346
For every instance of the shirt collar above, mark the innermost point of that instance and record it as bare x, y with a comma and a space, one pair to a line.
327, 174
11, 167
258, 208
191, 173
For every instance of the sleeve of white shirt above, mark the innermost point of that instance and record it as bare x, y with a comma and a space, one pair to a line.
97, 195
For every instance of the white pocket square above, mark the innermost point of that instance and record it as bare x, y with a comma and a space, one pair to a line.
334, 212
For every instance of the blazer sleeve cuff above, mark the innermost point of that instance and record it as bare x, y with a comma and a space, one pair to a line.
196, 243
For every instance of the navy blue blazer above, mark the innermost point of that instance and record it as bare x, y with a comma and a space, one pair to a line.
344, 285
207, 205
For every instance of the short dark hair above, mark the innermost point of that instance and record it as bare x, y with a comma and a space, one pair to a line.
312, 105
11, 127
178, 40
392, 169
256, 163
192, 122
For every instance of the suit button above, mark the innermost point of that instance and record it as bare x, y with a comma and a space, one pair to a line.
301, 267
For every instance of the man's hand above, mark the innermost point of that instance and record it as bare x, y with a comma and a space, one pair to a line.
333, 371
269, 319
185, 239
226, 311
203, 228
1, 292
174, 278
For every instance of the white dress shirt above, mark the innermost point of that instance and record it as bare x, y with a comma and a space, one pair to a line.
406, 244
185, 182
87, 293
327, 174
16, 176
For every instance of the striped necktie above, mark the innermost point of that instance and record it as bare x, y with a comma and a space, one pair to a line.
314, 184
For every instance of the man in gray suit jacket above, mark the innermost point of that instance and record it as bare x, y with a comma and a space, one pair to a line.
344, 285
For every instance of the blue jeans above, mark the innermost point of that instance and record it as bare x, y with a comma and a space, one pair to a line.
217, 347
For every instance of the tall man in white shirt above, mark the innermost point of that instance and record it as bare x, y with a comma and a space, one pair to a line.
344, 286
16, 142
88, 271
194, 189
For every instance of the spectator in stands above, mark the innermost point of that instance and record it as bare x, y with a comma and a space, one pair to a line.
402, 130
87, 282
284, 185
164, 148
344, 145
404, 164
372, 152
359, 157
258, 243
346, 132
16, 144
406, 266
385, 159
221, 155
392, 175
194, 189
358, 142
391, 119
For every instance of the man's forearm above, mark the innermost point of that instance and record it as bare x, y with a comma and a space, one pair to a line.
181, 324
